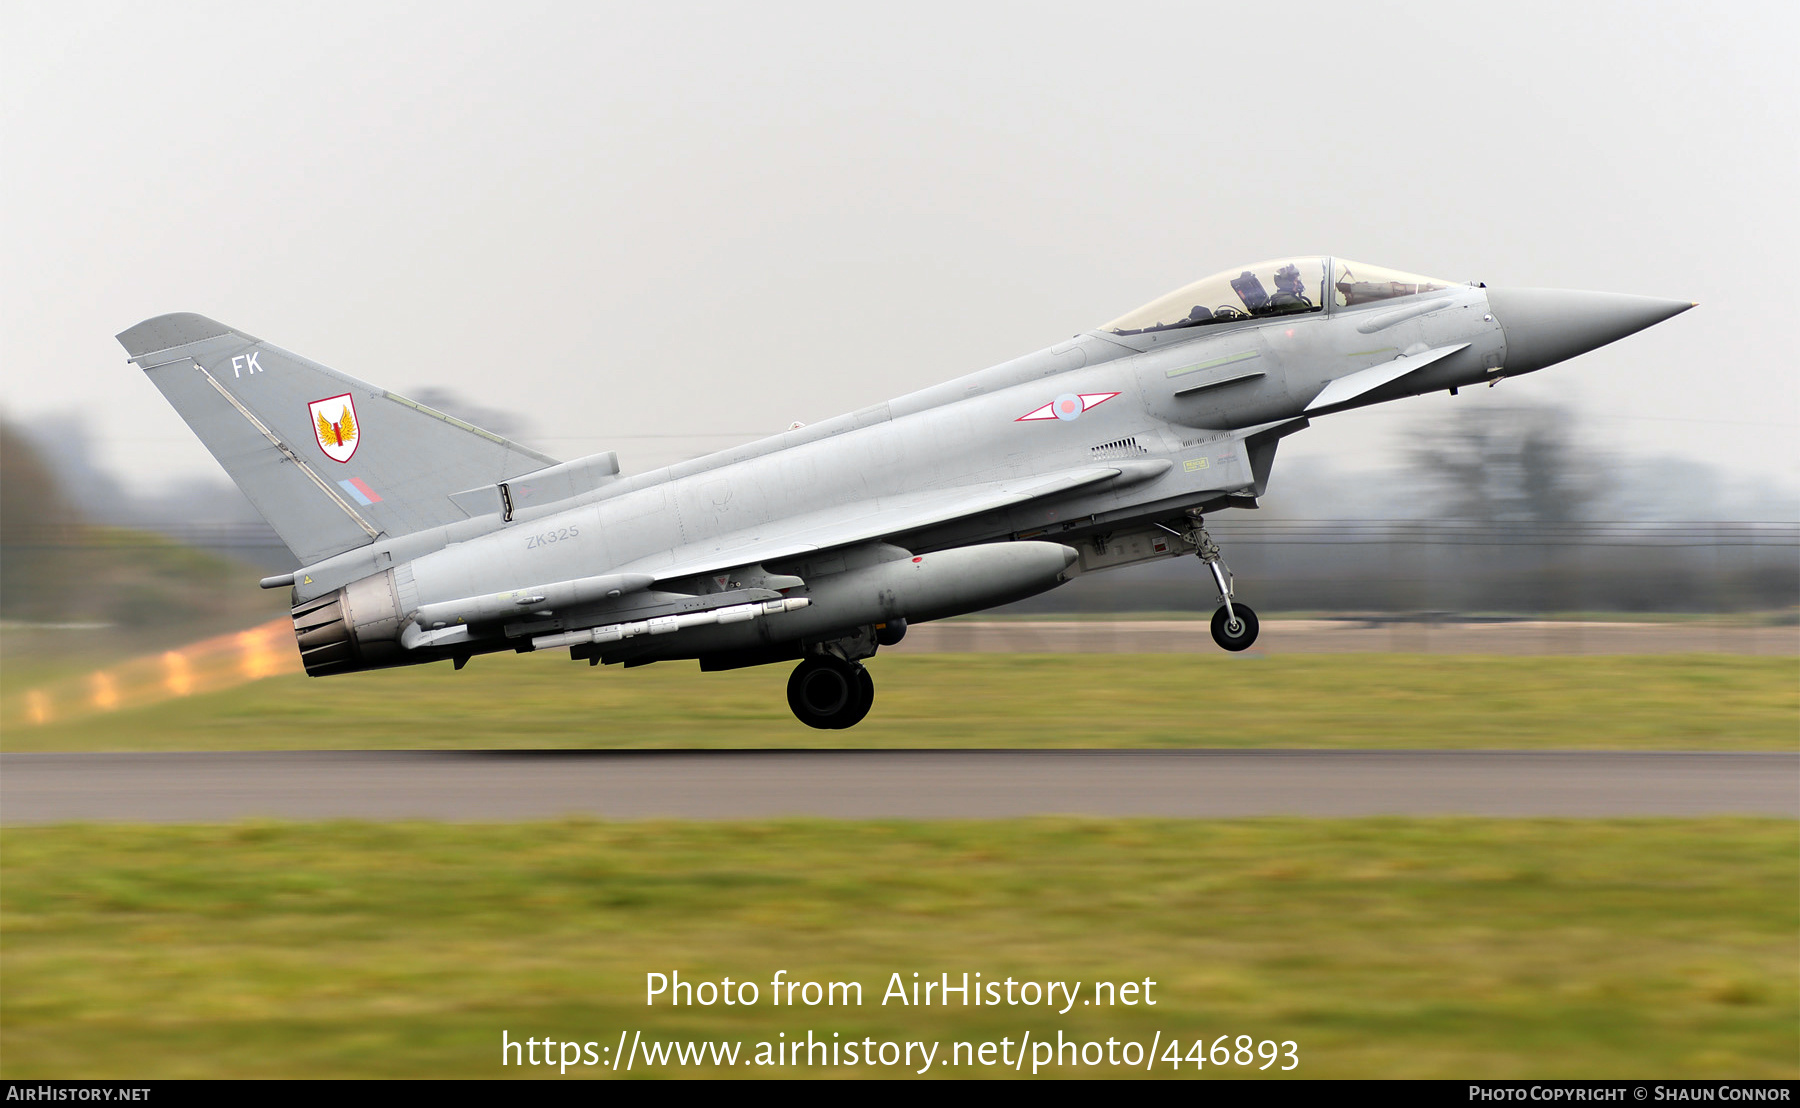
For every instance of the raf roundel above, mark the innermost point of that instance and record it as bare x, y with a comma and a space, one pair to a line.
1068, 406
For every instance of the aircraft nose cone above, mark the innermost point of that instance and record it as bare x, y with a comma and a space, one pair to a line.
1546, 326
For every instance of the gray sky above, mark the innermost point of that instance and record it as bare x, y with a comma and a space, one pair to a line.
662, 229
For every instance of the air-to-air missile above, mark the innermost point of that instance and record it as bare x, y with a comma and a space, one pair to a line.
422, 538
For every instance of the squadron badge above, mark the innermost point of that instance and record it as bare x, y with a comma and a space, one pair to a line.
334, 425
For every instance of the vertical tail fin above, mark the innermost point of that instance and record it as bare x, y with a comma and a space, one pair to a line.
331, 462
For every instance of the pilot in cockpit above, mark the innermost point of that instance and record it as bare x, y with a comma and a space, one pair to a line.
1290, 290
1273, 288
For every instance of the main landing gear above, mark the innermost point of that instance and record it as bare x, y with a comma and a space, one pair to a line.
1234, 625
830, 693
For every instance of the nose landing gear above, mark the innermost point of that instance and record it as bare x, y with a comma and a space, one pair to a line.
829, 693
1234, 626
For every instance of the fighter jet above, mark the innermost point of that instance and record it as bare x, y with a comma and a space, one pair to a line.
422, 538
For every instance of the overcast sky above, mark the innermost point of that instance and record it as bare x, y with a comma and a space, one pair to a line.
661, 228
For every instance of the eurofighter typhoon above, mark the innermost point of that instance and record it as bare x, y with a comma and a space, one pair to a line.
422, 538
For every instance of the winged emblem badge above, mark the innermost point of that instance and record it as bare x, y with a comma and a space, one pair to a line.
334, 425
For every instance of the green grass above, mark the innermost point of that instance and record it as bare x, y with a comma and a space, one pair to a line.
1443, 947
1665, 702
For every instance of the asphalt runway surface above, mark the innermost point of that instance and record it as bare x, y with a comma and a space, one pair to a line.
918, 784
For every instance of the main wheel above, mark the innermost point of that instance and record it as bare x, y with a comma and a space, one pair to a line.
1235, 634
829, 693
865, 698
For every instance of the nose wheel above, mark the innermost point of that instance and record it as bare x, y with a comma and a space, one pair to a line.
1235, 628
829, 693
1234, 625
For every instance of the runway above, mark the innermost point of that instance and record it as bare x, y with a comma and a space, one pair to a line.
919, 784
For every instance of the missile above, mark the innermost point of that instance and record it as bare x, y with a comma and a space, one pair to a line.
663, 625
503, 605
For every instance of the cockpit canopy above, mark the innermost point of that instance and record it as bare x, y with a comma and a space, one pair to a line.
1286, 286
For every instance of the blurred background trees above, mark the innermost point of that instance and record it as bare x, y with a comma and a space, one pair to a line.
32, 503
1521, 463
67, 577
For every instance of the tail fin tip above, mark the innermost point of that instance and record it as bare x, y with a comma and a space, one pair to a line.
165, 332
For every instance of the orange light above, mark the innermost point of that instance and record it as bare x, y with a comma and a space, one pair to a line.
106, 694
206, 666
258, 663
179, 676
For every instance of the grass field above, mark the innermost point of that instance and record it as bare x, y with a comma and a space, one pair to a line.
1668, 702
1445, 947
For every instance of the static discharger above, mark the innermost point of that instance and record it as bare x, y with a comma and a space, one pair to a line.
663, 625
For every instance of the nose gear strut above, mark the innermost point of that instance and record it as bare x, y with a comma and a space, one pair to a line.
1234, 626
